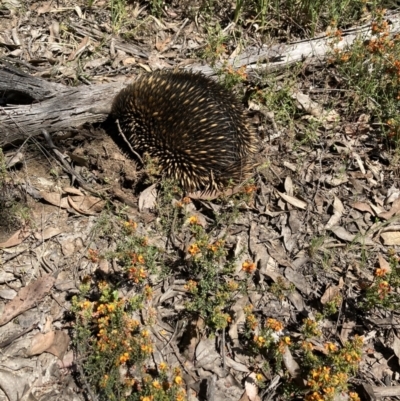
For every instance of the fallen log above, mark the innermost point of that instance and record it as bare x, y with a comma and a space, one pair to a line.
54, 107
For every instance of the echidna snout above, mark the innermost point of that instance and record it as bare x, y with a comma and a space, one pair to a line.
197, 129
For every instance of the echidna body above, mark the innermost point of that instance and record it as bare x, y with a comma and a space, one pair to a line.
197, 129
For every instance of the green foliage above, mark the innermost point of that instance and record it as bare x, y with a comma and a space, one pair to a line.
118, 13
216, 47
115, 345
371, 70
156, 7
383, 291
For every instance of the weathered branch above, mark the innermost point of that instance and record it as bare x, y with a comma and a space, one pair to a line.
56, 108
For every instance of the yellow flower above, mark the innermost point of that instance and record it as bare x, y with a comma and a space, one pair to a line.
259, 340
232, 285
251, 321
216, 245
329, 390
124, 357
354, 396
148, 292
130, 226
330, 347
193, 220
147, 349
194, 249
315, 396
178, 380
307, 346
163, 366
104, 380
156, 384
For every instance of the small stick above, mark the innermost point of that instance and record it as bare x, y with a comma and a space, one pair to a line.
127, 142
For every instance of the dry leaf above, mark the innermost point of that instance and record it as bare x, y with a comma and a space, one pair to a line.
80, 49
40, 343
236, 365
79, 11
128, 61
60, 344
54, 198
27, 298
395, 209
391, 238
330, 294
337, 213
251, 388
288, 186
291, 365
347, 328
384, 264
148, 198
359, 162
88, 205
362, 207
293, 201
377, 209
72, 191
206, 354
44, 8
343, 234
15, 159
47, 233
15, 239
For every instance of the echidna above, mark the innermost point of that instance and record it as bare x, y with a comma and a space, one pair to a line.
196, 129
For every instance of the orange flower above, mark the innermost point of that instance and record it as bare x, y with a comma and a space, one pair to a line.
194, 249
380, 272
248, 189
330, 347
274, 324
191, 286
260, 341
163, 366
156, 384
123, 358
130, 226
251, 321
216, 245
248, 267
93, 255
